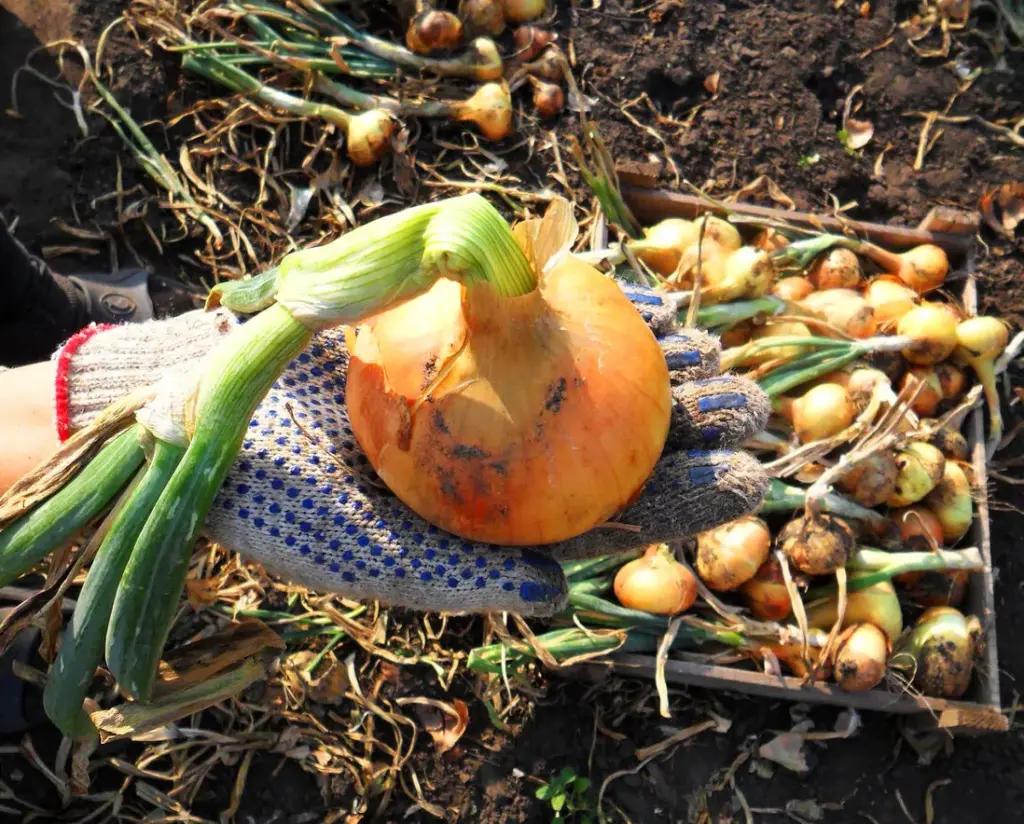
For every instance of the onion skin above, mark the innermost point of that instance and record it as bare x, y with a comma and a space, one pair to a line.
656, 583
523, 390
871, 481
483, 17
530, 41
952, 502
891, 299
747, 273
766, 593
432, 30
731, 554
860, 659
792, 289
876, 604
921, 467
933, 332
845, 309
664, 243
817, 545
942, 648
979, 341
920, 530
838, 268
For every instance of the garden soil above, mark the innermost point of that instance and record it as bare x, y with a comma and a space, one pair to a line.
720, 93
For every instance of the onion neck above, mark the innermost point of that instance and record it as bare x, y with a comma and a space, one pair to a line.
396, 258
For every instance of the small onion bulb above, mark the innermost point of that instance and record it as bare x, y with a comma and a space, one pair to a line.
482, 17
369, 136
522, 11
793, 289
432, 30
766, 592
530, 41
860, 659
656, 583
921, 467
922, 268
664, 243
844, 309
838, 268
548, 98
817, 544
823, 411
731, 554
489, 108
952, 502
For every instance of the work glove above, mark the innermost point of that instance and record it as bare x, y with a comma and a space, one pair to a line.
303, 501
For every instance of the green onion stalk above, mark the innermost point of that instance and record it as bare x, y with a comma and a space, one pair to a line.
786, 498
368, 135
388, 261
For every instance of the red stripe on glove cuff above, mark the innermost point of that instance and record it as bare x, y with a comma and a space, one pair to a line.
67, 352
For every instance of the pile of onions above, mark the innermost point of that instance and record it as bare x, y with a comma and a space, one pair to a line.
823, 411
860, 659
656, 583
920, 468
871, 481
876, 604
731, 555
817, 544
941, 649
766, 592
481, 412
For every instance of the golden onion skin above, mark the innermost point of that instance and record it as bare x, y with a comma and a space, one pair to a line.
514, 421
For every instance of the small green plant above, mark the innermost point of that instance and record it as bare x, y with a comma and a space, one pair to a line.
570, 797
844, 138
808, 160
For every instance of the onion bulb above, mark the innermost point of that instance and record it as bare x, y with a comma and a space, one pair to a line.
656, 583
522, 11
920, 530
952, 502
489, 108
941, 649
737, 335
548, 66
748, 273
482, 412
731, 554
948, 441
823, 411
664, 243
932, 330
432, 30
766, 593
482, 17
876, 604
860, 659
952, 380
891, 299
933, 588
921, 467
369, 136
530, 41
485, 58
922, 268
838, 268
771, 240
792, 289
925, 381
548, 98
817, 544
844, 309
872, 480
719, 231
979, 341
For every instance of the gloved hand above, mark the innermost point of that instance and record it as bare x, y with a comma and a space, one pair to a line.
303, 501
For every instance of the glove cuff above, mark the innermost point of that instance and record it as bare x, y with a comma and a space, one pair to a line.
102, 363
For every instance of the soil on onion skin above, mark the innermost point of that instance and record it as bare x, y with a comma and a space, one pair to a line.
785, 70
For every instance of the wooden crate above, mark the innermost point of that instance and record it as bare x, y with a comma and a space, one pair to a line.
981, 711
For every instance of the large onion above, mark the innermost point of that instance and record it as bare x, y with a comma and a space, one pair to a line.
932, 330
921, 467
823, 411
860, 659
817, 544
520, 420
922, 268
483, 17
731, 554
766, 592
747, 273
876, 604
656, 583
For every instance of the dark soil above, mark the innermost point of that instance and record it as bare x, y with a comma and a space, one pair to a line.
785, 70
